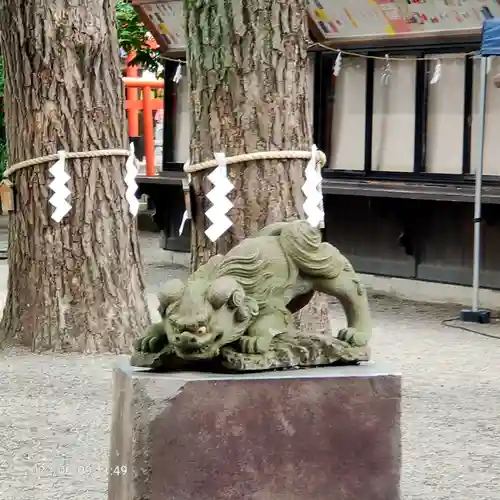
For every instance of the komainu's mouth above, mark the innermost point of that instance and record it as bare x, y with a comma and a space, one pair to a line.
196, 352
197, 345
193, 349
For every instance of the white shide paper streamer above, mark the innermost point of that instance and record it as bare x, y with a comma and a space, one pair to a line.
217, 213
59, 187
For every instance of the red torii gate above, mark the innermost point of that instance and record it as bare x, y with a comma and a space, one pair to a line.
146, 103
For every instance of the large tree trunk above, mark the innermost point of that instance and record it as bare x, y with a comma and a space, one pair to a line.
74, 285
249, 83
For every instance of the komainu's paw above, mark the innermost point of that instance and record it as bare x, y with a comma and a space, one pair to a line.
354, 337
154, 340
255, 345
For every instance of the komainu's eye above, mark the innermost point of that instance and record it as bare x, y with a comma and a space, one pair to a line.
202, 330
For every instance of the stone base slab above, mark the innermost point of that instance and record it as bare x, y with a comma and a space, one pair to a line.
313, 434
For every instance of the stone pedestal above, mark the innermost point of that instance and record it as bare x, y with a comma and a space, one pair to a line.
322, 434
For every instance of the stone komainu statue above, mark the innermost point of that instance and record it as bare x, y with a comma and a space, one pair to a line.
238, 308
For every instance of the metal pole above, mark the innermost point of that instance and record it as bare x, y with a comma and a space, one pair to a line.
479, 180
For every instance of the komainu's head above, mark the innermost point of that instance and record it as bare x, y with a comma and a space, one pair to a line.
201, 316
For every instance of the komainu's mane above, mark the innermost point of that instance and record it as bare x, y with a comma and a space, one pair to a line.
252, 272
302, 247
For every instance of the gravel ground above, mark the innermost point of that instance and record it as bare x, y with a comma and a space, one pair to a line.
55, 411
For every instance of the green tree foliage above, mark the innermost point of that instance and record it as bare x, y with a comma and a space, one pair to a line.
133, 36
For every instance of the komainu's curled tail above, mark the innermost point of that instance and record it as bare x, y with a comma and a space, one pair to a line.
302, 244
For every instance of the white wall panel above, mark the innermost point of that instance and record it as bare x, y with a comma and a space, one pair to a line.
492, 130
445, 119
394, 118
349, 116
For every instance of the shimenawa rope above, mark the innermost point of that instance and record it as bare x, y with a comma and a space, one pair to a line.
265, 155
189, 169
54, 157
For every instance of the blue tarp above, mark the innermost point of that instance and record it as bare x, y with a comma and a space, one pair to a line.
490, 43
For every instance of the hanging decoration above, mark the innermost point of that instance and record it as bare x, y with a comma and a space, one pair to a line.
437, 72
338, 64
386, 74
130, 182
178, 74
58, 185
217, 213
313, 204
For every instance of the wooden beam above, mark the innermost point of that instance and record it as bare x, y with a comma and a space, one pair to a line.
373, 189
160, 39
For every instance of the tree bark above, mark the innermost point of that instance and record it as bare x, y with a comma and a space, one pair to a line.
76, 285
248, 70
